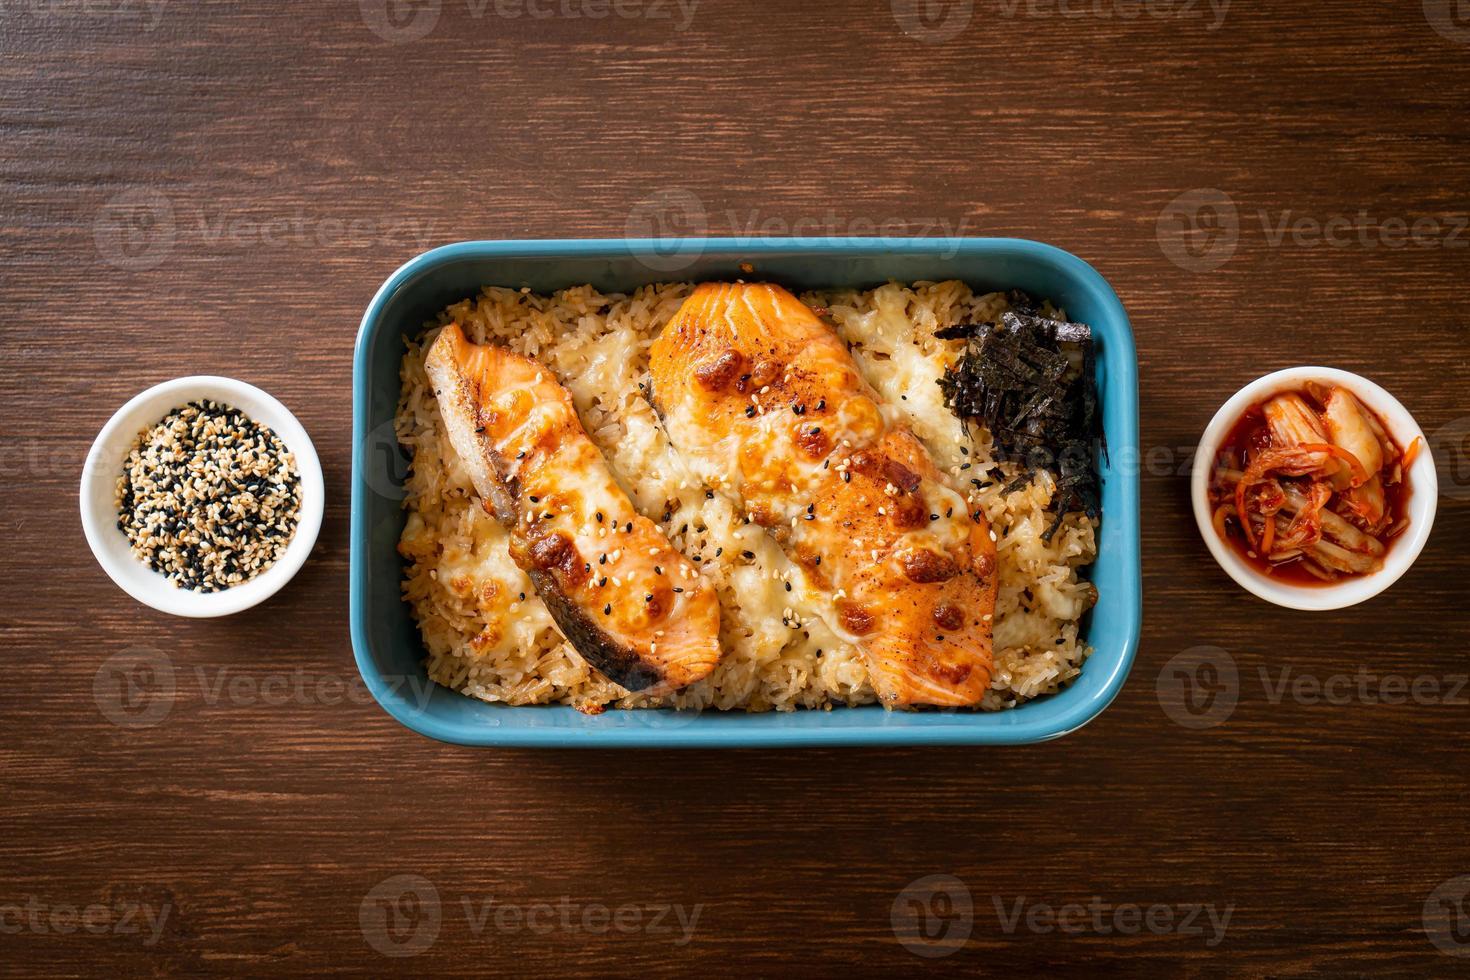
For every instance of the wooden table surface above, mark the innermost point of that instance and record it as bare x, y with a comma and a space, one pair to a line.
219, 187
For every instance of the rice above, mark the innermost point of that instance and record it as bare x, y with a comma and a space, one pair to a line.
488, 635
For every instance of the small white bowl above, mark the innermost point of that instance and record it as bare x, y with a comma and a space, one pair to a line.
105, 464
1422, 480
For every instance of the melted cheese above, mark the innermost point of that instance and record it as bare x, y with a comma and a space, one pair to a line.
769, 404
517, 431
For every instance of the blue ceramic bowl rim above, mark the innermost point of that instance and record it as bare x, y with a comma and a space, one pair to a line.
1063, 719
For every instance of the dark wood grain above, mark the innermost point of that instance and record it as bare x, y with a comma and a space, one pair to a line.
261, 821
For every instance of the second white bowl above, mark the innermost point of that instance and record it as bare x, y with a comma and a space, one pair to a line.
105, 464
1422, 480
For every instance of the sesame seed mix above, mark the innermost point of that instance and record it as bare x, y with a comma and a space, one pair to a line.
208, 497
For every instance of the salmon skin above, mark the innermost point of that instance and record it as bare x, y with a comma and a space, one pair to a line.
765, 402
634, 607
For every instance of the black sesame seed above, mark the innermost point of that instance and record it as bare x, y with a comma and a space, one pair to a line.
208, 498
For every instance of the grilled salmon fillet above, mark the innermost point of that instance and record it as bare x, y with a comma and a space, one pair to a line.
634, 607
765, 402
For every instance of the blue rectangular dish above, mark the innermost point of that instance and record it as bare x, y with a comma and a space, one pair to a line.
386, 641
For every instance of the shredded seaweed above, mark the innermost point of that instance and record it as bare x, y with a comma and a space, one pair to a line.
1029, 379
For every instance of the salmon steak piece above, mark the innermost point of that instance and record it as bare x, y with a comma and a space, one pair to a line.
630, 603
766, 404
